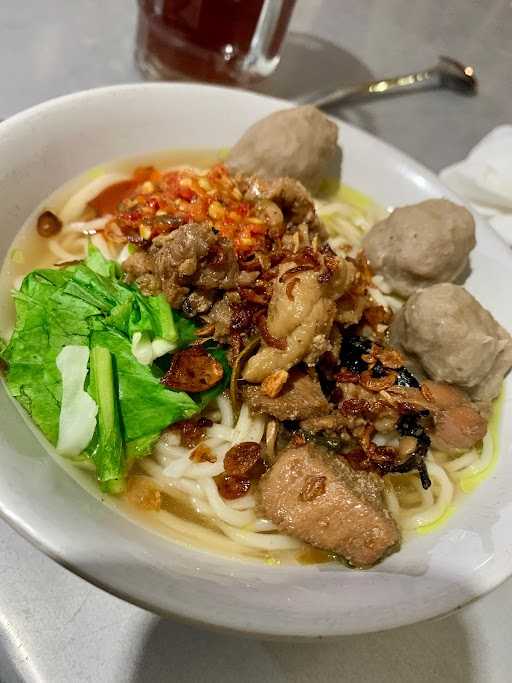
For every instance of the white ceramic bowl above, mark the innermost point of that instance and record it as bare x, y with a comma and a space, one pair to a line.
41, 149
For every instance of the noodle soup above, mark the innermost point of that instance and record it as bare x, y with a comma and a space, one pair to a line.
176, 489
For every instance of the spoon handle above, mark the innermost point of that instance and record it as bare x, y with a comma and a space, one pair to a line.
383, 86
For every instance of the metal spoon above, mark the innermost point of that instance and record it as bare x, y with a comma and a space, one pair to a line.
447, 73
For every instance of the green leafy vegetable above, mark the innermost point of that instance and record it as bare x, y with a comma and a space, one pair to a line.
78, 410
33, 377
99, 264
186, 330
153, 314
146, 405
147, 351
89, 305
108, 452
139, 448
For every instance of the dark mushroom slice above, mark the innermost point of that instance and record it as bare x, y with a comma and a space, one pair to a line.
48, 224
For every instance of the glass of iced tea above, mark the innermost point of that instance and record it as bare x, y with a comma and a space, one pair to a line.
223, 41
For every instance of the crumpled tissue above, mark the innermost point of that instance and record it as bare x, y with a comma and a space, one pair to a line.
484, 179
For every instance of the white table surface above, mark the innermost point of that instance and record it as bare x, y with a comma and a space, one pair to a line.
54, 627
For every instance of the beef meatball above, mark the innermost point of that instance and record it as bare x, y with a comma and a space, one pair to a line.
455, 339
421, 245
300, 143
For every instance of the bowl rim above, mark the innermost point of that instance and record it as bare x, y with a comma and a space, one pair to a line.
213, 621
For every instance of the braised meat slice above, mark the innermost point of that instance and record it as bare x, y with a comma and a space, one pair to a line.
220, 316
458, 423
333, 422
320, 499
300, 398
190, 256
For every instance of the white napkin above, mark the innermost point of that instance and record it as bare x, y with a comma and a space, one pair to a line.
484, 178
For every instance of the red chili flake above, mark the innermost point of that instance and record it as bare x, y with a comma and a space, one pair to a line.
231, 487
276, 342
171, 183
133, 216
153, 203
244, 209
186, 193
244, 460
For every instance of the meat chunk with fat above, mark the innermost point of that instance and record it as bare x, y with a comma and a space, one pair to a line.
300, 142
318, 498
455, 339
300, 398
140, 268
220, 316
304, 320
421, 245
290, 197
458, 423
190, 256
326, 422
